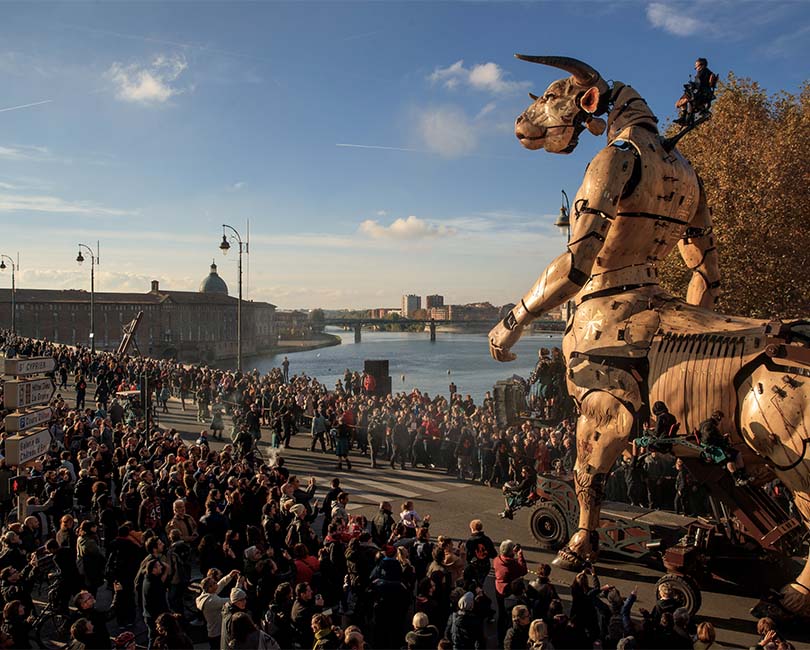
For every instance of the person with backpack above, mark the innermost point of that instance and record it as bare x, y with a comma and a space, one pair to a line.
278, 618
179, 554
480, 551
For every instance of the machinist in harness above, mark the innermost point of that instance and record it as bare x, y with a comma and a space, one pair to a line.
518, 493
698, 95
711, 436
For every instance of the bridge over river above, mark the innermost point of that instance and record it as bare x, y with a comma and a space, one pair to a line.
358, 323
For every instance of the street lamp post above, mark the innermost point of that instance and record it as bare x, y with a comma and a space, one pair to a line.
225, 247
564, 223
13, 291
94, 259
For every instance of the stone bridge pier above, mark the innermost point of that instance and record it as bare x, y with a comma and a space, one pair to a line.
357, 329
432, 325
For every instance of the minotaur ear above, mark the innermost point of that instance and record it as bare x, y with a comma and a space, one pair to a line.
590, 100
534, 97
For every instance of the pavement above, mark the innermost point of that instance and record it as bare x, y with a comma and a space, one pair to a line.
452, 503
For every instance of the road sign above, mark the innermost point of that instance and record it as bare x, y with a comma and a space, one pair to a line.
28, 366
21, 449
20, 393
23, 421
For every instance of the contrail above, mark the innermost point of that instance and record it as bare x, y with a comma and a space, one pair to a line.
375, 146
14, 108
432, 153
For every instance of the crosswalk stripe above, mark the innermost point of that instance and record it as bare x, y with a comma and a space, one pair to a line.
425, 477
358, 494
426, 486
420, 478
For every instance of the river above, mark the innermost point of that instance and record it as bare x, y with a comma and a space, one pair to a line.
415, 362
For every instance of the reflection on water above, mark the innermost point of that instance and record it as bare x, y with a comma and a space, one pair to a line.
415, 362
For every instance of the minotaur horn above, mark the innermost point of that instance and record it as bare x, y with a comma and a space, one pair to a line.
583, 74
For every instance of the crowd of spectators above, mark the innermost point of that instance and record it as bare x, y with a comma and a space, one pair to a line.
173, 530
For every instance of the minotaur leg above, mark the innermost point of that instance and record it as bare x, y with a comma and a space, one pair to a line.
795, 596
775, 421
603, 428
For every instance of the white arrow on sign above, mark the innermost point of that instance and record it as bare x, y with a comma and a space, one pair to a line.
28, 366
23, 448
23, 421
20, 393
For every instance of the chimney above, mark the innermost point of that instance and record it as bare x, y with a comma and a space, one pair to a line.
155, 286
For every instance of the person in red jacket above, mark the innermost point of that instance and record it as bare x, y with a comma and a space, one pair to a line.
509, 566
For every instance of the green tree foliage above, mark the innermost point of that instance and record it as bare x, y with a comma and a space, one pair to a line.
754, 159
316, 318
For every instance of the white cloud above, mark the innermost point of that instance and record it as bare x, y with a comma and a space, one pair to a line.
411, 228
447, 131
76, 277
668, 18
486, 110
239, 185
483, 76
55, 205
23, 152
148, 84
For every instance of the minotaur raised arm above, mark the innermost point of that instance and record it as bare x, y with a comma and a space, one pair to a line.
594, 210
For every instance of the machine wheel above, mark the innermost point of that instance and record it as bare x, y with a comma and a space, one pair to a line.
548, 526
684, 589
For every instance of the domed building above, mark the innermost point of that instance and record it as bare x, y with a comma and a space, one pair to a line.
213, 283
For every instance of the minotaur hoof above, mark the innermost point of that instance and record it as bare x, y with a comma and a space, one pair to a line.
792, 604
569, 560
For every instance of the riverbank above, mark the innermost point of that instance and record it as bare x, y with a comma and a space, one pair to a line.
305, 345
316, 342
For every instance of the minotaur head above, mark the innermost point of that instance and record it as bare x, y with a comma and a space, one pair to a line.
555, 120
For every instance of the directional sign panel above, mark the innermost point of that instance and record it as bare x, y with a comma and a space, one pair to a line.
29, 366
21, 449
21, 393
23, 421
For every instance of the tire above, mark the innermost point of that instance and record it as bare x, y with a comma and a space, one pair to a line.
685, 590
548, 527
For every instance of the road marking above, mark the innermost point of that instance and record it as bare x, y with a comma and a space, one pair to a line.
419, 485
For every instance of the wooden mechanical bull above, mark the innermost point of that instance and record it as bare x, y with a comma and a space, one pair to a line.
629, 342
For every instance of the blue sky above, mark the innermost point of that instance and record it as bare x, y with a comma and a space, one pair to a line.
148, 125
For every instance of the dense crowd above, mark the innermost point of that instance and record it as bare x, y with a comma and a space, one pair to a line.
174, 530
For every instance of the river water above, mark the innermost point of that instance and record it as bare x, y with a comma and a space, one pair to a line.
415, 362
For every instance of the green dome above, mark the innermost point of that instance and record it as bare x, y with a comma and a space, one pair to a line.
213, 283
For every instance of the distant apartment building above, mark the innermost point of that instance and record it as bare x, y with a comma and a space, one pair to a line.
410, 303
439, 313
434, 301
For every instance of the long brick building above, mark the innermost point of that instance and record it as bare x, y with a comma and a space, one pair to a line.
189, 325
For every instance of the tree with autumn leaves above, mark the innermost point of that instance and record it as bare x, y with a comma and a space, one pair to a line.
753, 157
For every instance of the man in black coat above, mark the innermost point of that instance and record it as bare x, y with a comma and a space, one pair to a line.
382, 524
304, 607
155, 601
123, 559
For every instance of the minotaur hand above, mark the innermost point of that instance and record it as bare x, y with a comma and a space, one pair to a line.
501, 341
